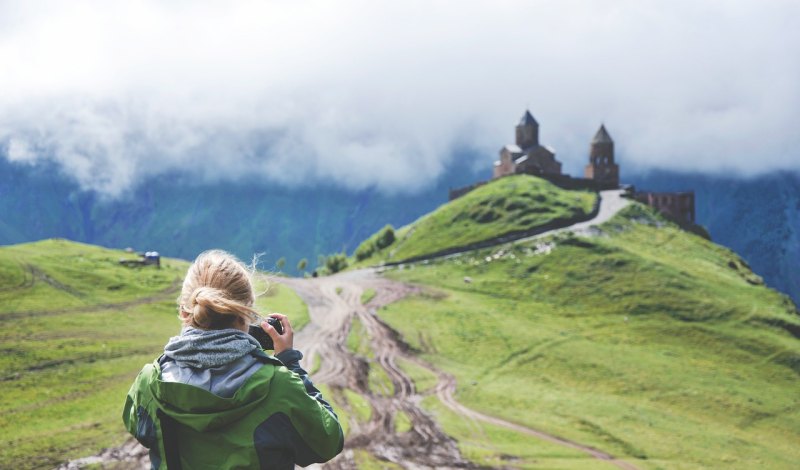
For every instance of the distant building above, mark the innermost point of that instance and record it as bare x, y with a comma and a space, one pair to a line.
601, 165
678, 205
527, 155
150, 258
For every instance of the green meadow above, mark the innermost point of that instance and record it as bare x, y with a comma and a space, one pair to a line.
76, 329
645, 341
510, 204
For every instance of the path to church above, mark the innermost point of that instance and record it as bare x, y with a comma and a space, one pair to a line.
333, 303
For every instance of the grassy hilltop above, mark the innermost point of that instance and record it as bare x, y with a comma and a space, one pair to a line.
75, 329
646, 341
510, 204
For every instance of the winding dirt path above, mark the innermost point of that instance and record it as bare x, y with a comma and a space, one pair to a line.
333, 304
425, 445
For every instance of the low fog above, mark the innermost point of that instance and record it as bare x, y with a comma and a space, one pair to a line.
390, 94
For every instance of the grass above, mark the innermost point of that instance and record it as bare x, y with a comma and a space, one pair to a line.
282, 299
647, 342
497, 447
367, 295
359, 405
402, 423
358, 340
379, 381
76, 328
518, 202
424, 380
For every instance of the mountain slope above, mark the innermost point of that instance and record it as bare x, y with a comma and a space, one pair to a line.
75, 329
645, 341
757, 217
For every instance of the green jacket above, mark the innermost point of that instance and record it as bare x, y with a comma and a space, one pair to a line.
275, 419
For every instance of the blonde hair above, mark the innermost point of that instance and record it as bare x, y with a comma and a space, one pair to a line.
217, 292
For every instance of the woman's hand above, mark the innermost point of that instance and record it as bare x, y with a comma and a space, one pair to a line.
283, 341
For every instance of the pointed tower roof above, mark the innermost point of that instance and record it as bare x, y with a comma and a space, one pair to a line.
528, 120
602, 136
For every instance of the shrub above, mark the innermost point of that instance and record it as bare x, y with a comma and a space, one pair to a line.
384, 238
336, 262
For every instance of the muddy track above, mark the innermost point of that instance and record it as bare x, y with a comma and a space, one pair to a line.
412, 449
425, 445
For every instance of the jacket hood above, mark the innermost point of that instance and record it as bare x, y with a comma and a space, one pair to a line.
209, 348
202, 410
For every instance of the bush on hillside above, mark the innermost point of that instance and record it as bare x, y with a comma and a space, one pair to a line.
384, 238
336, 262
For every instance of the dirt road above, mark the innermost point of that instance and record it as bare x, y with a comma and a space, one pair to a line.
333, 303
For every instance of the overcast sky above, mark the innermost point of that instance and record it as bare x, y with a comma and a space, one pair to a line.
364, 93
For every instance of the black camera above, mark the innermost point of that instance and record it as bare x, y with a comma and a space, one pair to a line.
261, 336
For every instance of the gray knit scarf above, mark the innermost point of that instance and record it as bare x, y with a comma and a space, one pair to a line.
203, 349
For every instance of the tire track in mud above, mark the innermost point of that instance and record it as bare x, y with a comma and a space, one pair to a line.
425, 445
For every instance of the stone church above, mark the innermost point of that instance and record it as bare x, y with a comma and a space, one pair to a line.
527, 155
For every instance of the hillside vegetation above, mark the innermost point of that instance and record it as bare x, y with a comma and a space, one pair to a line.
645, 341
505, 205
75, 329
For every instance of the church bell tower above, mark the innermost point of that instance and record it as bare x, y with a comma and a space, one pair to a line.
601, 165
527, 131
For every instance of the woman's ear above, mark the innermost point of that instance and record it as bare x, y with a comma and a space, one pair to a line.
182, 315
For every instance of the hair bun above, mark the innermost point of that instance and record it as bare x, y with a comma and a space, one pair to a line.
204, 305
205, 296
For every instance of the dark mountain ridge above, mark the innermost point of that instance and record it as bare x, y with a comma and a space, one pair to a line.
758, 217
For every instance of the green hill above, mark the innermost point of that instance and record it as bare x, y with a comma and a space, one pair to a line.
75, 329
645, 341
512, 204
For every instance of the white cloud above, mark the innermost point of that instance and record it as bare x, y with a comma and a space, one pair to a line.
364, 93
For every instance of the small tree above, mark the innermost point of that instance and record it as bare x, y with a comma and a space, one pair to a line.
385, 237
336, 262
301, 266
376, 242
364, 250
280, 263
